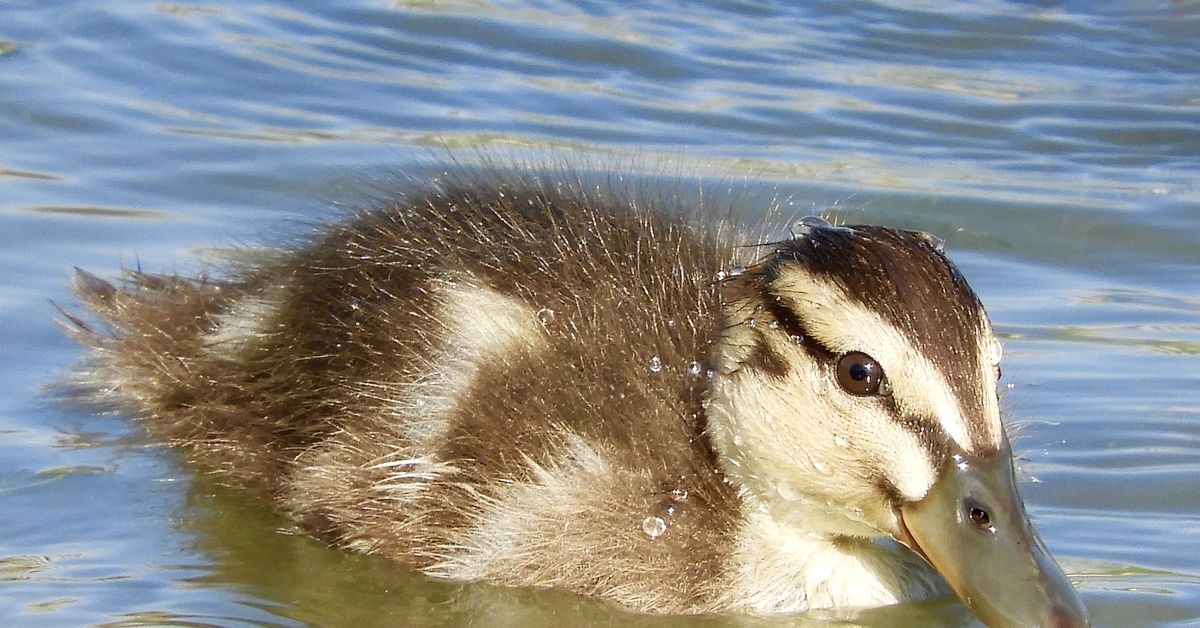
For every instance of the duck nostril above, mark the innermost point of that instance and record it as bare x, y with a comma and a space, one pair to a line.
977, 515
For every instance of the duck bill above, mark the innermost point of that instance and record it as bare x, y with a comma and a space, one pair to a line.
972, 528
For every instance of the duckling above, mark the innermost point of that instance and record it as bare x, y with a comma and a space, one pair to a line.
529, 382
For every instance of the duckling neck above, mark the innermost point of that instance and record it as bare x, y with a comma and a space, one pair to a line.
783, 568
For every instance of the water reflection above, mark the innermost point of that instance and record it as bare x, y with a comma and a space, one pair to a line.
318, 585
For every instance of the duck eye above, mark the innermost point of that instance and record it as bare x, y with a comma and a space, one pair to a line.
860, 374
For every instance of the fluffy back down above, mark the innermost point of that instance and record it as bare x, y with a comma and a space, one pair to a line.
495, 381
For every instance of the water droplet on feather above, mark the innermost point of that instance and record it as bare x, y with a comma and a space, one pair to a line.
805, 225
655, 364
654, 527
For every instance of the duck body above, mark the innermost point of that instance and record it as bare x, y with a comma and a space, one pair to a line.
530, 383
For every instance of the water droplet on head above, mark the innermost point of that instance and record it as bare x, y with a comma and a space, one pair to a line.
805, 225
545, 315
751, 323
694, 368
655, 364
654, 526
737, 440
841, 441
710, 373
938, 244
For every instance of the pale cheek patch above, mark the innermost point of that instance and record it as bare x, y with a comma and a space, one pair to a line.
818, 445
843, 324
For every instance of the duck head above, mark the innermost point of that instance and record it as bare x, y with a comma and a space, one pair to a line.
855, 395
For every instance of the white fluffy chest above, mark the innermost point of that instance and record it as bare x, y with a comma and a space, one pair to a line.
778, 569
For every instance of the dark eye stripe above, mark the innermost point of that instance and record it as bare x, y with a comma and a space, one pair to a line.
789, 323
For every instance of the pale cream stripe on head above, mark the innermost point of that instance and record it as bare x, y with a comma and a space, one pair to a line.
843, 324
